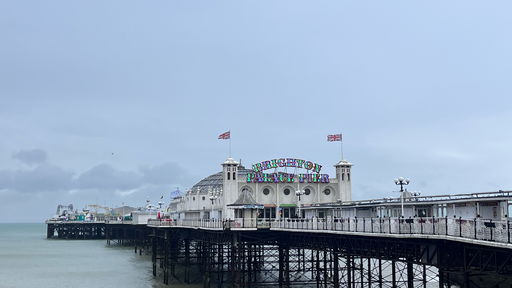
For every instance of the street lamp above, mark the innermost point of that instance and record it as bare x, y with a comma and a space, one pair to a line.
213, 196
298, 193
402, 181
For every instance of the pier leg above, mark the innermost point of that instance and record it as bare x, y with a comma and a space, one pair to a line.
220, 265
317, 277
187, 261
393, 273
207, 255
361, 270
380, 273
325, 267
336, 272
410, 274
369, 272
153, 253
424, 276
249, 264
166, 258
235, 265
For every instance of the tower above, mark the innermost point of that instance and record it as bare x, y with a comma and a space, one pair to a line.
343, 174
230, 186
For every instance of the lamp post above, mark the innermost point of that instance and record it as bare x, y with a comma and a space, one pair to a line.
402, 181
298, 193
213, 195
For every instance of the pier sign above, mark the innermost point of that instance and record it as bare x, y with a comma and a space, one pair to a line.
312, 176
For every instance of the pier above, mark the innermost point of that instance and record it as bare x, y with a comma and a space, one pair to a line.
330, 251
350, 252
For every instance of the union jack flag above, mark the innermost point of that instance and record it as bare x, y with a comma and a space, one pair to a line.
334, 137
225, 135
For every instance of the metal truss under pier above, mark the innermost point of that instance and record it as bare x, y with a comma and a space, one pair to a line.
259, 258
75, 230
249, 257
137, 235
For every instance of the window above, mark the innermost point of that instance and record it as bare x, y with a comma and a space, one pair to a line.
286, 191
229, 175
343, 177
203, 198
327, 191
348, 176
234, 175
423, 212
268, 213
266, 191
307, 191
193, 198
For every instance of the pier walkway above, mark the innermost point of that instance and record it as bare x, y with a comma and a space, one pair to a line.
478, 231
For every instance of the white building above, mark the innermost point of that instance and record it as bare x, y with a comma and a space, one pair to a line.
274, 186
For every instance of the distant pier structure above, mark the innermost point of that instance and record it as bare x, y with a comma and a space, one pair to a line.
75, 229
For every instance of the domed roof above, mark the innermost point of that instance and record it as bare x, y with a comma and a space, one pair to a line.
212, 181
215, 181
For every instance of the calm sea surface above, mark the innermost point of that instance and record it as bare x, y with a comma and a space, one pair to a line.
28, 259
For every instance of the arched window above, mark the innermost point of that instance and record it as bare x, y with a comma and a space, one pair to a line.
343, 177
348, 176
234, 175
229, 175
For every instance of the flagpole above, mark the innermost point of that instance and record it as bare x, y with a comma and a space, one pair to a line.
341, 146
230, 143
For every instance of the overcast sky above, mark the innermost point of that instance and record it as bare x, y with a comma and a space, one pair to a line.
111, 102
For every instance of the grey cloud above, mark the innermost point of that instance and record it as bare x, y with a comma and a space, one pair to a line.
42, 178
167, 173
104, 176
30, 157
98, 180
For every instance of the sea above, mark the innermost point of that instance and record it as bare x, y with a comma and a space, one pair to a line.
28, 259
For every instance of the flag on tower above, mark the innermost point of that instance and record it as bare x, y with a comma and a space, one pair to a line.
225, 135
334, 137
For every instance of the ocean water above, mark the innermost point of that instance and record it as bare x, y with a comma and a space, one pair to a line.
28, 259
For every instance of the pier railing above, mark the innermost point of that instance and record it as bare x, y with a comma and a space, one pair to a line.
478, 229
220, 224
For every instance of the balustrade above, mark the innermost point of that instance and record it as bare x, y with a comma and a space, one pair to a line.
479, 229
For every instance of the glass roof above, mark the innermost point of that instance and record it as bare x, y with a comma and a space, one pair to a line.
215, 181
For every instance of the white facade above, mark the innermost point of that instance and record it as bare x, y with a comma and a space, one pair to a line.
210, 197
142, 217
485, 206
